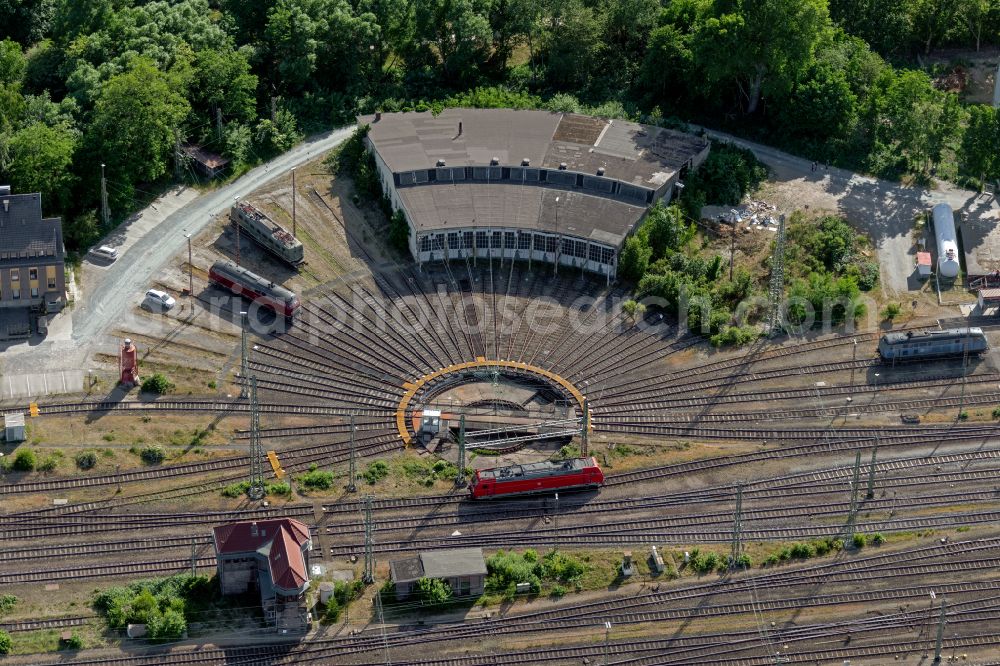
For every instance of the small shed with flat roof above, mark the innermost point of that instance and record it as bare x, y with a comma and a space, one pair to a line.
464, 569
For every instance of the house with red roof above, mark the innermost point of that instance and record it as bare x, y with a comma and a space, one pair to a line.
271, 556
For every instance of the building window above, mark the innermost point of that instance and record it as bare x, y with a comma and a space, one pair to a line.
566, 247
425, 243
540, 242
17, 294
581, 249
406, 178
421, 176
509, 240
34, 292
15, 275
497, 240
550, 243
607, 256
52, 283
32, 273
439, 242
523, 240
452, 240
482, 240
467, 239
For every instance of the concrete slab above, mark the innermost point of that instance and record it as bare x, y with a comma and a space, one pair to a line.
40, 384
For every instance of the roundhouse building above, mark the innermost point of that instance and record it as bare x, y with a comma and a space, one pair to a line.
527, 185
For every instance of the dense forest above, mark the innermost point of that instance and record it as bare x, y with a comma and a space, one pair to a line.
123, 82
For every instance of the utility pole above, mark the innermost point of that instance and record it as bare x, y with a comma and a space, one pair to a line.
854, 359
236, 229
256, 489
607, 640
178, 157
352, 473
870, 493
585, 430
940, 632
776, 288
732, 251
190, 268
294, 228
105, 210
244, 363
460, 478
555, 266
737, 545
194, 559
852, 516
218, 122
369, 575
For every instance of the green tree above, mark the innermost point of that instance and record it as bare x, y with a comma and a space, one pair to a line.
135, 124
635, 258
24, 460
6, 645
222, 81
822, 105
432, 591
26, 21
883, 24
454, 35
933, 19
170, 625
667, 65
157, 383
399, 232
12, 62
42, 161
980, 153
572, 45
666, 230
763, 45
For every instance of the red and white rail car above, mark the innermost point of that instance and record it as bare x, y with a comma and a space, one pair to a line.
260, 290
540, 477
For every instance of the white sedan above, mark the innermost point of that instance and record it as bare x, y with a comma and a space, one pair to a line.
158, 301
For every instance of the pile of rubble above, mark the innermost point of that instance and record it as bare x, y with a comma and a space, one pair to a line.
752, 214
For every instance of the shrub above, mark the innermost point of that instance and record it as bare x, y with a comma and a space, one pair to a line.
963, 415
7, 602
158, 384
377, 470
86, 460
996, 412
24, 460
803, 551
5, 643
48, 463
705, 562
316, 479
878, 539
432, 591
75, 642
162, 604
891, 311
152, 455
505, 570
568, 451
332, 612
744, 561
859, 540
561, 567
558, 592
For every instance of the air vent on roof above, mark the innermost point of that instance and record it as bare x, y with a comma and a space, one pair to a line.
253, 528
494, 161
440, 163
460, 128
525, 162
600, 171
562, 166
378, 116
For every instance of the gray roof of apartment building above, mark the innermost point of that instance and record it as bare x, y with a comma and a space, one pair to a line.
24, 233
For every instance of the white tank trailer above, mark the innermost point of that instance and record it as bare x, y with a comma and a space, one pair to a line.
944, 231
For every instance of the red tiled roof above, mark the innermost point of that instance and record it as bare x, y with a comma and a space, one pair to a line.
280, 540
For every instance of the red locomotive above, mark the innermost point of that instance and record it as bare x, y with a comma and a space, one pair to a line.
240, 281
540, 477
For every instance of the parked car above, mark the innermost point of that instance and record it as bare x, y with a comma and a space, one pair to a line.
105, 252
158, 301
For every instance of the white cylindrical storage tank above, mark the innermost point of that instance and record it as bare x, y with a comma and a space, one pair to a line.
944, 231
325, 592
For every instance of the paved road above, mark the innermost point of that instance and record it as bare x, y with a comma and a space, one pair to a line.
147, 244
128, 276
885, 209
